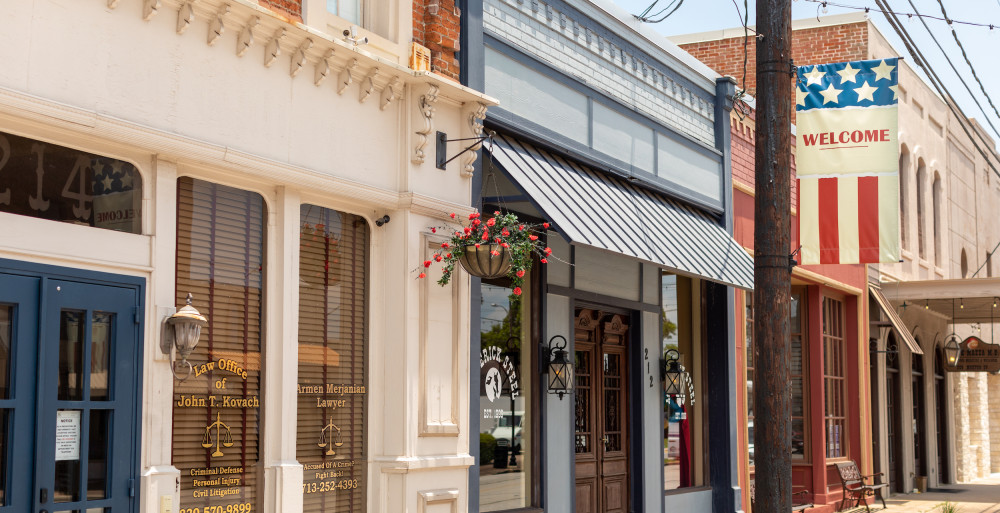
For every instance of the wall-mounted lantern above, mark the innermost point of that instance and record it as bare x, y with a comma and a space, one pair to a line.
952, 350
560, 370
180, 334
671, 371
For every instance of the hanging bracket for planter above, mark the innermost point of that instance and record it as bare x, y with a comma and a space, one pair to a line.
442, 141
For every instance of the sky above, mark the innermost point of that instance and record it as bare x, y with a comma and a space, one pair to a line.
981, 44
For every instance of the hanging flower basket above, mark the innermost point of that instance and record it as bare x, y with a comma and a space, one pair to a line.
485, 261
501, 246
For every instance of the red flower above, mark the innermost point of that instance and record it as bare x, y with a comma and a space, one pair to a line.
434, 230
497, 240
504, 244
453, 215
505, 233
517, 291
533, 237
448, 255
477, 244
472, 216
544, 261
548, 251
520, 227
491, 221
520, 273
545, 225
496, 212
445, 245
467, 230
476, 222
427, 263
495, 252
486, 235
422, 275
437, 258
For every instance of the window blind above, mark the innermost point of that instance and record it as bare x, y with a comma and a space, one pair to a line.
333, 360
217, 411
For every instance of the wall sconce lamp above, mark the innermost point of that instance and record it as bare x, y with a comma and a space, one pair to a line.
995, 300
670, 370
560, 370
180, 334
952, 350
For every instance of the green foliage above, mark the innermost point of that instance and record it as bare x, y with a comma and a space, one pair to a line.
669, 327
502, 232
487, 447
948, 507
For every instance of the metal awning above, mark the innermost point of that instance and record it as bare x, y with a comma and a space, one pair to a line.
595, 209
897, 323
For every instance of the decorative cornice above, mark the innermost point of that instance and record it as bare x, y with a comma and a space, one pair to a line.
304, 45
426, 106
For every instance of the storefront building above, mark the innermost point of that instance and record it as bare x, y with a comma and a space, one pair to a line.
927, 426
620, 142
275, 165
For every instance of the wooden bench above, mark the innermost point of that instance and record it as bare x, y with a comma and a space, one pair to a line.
857, 488
795, 507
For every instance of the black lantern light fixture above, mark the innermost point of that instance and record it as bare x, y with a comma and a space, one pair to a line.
560, 370
180, 334
670, 369
952, 350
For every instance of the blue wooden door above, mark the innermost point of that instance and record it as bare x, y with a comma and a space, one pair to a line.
73, 416
18, 336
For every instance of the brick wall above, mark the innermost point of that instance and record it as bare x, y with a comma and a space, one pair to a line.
290, 9
436, 25
820, 45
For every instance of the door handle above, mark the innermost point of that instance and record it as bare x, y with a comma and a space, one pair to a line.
605, 439
43, 496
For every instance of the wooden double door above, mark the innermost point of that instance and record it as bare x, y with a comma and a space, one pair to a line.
601, 432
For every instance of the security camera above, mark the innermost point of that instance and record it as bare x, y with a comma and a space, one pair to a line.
351, 35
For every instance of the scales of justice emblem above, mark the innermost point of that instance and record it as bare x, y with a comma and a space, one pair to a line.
325, 439
220, 439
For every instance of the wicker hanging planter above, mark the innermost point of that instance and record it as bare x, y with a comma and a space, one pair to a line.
486, 261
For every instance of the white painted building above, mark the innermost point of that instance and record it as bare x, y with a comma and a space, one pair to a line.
284, 175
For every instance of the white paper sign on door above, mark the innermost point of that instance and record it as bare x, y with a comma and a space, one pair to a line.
67, 435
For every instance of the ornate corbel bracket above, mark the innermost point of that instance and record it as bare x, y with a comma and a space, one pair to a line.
149, 9
345, 78
323, 67
273, 48
245, 38
215, 26
476, 118
185, 15
425, 105
299, 57
389, 93
367, 85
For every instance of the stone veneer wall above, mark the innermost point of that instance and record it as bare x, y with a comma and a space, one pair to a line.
977, 416
993, 383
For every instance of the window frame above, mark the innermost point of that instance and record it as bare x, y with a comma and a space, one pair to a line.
379, 22
834, 353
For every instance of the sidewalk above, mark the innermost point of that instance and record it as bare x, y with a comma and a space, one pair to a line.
980, 496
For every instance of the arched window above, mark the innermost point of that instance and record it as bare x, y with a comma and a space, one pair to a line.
936, 198
921, 178
965, 265
904, 171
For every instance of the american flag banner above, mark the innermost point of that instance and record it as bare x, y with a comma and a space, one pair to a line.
847, 157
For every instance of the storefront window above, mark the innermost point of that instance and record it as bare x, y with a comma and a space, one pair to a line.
217, 409
333, 360
506, 385
49, 181
796, 374
834, 378
683, 439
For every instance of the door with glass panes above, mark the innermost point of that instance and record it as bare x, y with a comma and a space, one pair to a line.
601, 397
69, 374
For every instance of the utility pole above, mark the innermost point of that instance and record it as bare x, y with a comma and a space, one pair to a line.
772, 263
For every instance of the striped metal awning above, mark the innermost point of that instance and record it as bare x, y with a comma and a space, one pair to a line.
596, 209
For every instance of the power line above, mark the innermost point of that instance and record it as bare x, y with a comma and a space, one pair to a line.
884, 9
893, 20
966, 56
988, 258
646, 17
967, 88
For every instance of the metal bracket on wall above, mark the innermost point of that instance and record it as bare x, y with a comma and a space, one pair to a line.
441, 150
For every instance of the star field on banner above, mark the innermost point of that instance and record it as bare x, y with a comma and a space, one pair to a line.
847, 158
